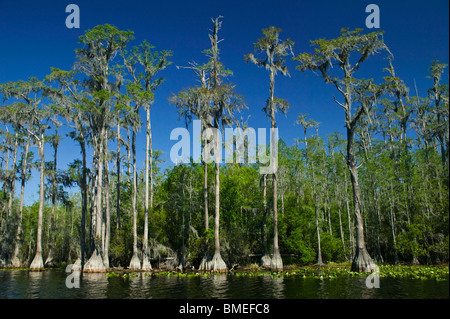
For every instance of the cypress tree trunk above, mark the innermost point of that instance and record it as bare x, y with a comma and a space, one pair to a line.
52, 237
146, 266
84, 195
118, 174
329, 217
379, 256
392, 222
347, 205
316, 213
8, 239
319, 250
342, 231
38, 263
92, 198
205, 262
217, 263
13, 177
265, 259
205, 194
276, 263
95, 262
362, 262
6, 167
16, 260
135, 263
129, 152
107, 211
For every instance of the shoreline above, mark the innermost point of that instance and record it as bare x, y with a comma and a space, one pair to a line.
439, 272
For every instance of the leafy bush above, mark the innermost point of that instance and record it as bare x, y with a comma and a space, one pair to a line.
331, 247
409, 242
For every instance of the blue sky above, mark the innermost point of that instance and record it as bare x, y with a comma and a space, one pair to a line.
34, 37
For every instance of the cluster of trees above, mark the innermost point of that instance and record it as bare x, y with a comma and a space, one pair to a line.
381, 192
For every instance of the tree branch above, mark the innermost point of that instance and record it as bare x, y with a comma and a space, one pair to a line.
339, 103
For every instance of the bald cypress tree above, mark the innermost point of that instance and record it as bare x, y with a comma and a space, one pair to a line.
224, 104
32, 92
274, 51
348, 52
215, 103
145, 83
195, 102
99, 47
65, 91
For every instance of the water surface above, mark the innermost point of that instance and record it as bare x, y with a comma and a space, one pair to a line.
51, 284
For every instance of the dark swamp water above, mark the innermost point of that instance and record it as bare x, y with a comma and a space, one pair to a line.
51, 284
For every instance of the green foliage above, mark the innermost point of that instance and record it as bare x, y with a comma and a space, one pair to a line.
112, 275
410, 241
120, 250
331, 248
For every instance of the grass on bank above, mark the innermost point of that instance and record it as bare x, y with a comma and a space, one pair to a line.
328, 271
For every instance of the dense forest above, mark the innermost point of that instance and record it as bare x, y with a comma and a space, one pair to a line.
377, 195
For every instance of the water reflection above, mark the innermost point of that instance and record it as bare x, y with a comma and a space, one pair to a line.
15, 285
95, 286
322, 289
219, 286
51, 284
272, 288
34, 286
134, 290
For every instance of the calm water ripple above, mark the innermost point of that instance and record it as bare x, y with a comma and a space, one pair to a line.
51, 285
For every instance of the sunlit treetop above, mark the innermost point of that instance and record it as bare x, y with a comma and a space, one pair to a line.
339, 52
275, 51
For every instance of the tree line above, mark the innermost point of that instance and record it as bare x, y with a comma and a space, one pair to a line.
378, 194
